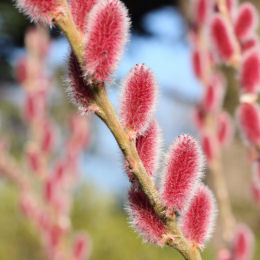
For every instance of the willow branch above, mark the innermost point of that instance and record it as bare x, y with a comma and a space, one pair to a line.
107, 114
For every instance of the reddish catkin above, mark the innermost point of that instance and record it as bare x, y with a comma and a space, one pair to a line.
249, 44
81, 247
183, 170
250, 72
224, 129
224, 254
197, 222
249, 121
78, 90
246, 21
144, 218
210, 146
147, 146
196, 62
80, 10
243, 243
107, 28
38, 10
138, 98
221, 37
201, 11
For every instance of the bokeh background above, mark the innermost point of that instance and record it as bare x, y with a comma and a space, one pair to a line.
158, 39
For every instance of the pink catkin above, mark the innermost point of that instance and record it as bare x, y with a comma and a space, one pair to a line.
48, 137
79, 89
224, 254
107, 29
249, 121
255, 189
196, 62
202, 8
21, 70
38, 10
250, 72
198, 221
80, 10
221, 37
249, 44
246, 21
209, 146
243, 243
81, 247
183, 171
147, 146
224, 129
138, 99
199, 115
214, 93
144, 218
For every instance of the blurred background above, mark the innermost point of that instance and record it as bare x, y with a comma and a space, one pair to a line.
158, 39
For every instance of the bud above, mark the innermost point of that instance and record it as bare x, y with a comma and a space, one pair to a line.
249, 121
224, 254
107, 28
243, 243
224, 129
81, 247
249, 44
183, 170
21, 70
147, 146
79, 89
255, 189
246, 21
201, 10
221, 37
38, 10
80, 10
250, 72
138, 99
199, 117
143, 217
210, 146
48, 137
196, 62
198, 221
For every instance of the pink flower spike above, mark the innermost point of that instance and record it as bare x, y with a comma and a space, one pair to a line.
182, 172
147, 146
143, 217
81, 247
80, 10
79, 90
38, 10
138, 98
243, 243
250, 72
221, 38
224, 129
107, 28
246, 21
249, 121
199, 219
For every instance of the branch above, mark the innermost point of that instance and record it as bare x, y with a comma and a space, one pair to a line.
107, 114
